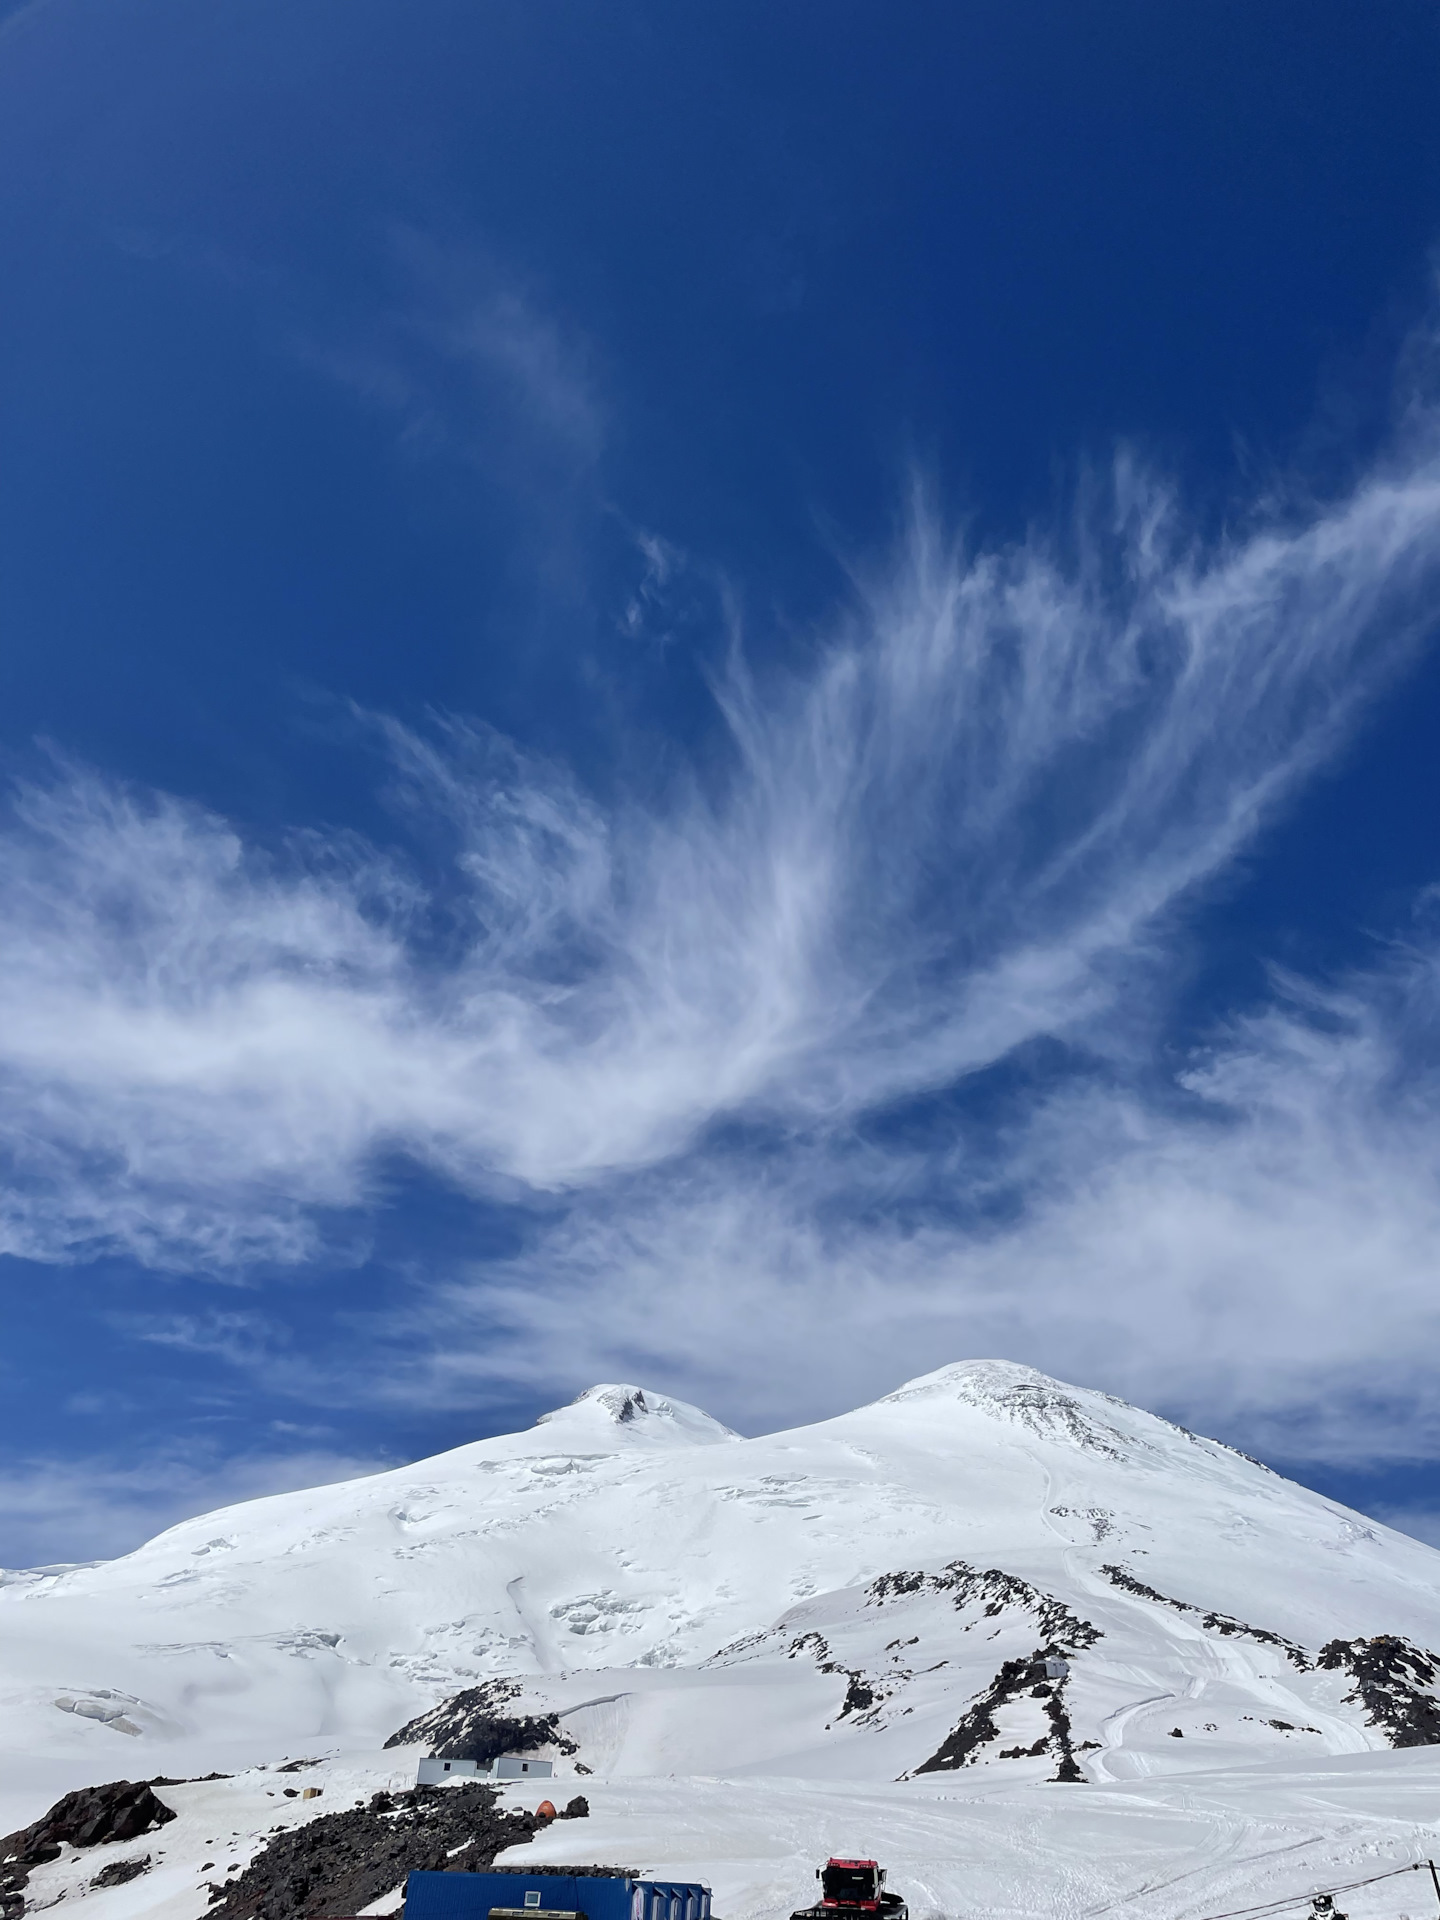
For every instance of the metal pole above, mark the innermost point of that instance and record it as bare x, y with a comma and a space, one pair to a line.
1435, 1879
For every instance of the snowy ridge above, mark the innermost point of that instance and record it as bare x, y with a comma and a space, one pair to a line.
632, 1415
869, 1602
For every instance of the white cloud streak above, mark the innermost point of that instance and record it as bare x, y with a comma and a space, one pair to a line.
468, 363
1421, 1523
969, 824
1260, 1258
953, 835
49, 1505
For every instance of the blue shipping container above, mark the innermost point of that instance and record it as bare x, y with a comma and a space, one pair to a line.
470, 1896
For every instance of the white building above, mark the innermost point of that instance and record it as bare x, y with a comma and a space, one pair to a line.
510, 1766
432, 1772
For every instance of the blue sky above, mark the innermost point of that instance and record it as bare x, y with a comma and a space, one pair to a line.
736, 696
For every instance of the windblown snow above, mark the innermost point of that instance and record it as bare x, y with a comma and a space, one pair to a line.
1032, 1647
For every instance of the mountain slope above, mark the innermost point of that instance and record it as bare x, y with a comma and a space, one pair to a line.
860, 1599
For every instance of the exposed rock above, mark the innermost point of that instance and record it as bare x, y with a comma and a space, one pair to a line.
89, 1817
995, 1590
1062, 1745
1396, 1683
860, 1695
978, 1728
990, 1590
342, 1862
576, 1809
471, 1726
120, 1810
120, 1871
589, 1873
624, 1404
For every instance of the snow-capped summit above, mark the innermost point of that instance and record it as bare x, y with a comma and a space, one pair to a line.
1074, 1416
985, 1570
633, 1414
1006, 1391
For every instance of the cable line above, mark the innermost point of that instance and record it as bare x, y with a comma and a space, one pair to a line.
1328, 1893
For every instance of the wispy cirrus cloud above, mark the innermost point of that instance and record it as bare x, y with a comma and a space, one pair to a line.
114, 1504
966, 826
1254, 1249
1422, 1523
468, 361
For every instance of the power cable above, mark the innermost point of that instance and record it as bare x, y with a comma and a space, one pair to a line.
1305, 1899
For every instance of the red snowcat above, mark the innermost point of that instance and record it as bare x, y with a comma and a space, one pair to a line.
850, 1889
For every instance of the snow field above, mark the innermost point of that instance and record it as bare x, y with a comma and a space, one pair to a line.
1167, 1850
955, 1847
757, 1645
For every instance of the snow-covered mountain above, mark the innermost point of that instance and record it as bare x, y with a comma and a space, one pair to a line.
859, 1600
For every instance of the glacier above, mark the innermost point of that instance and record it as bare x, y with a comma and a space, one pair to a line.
1033, 1647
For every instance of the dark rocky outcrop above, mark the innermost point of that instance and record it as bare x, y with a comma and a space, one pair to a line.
121, 1810
1396, 1684
993, 1590
341, 1862
860, 1695
120, 1872
990, 1592
474, 1726
89, 1817
584, 1873
978, 1728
